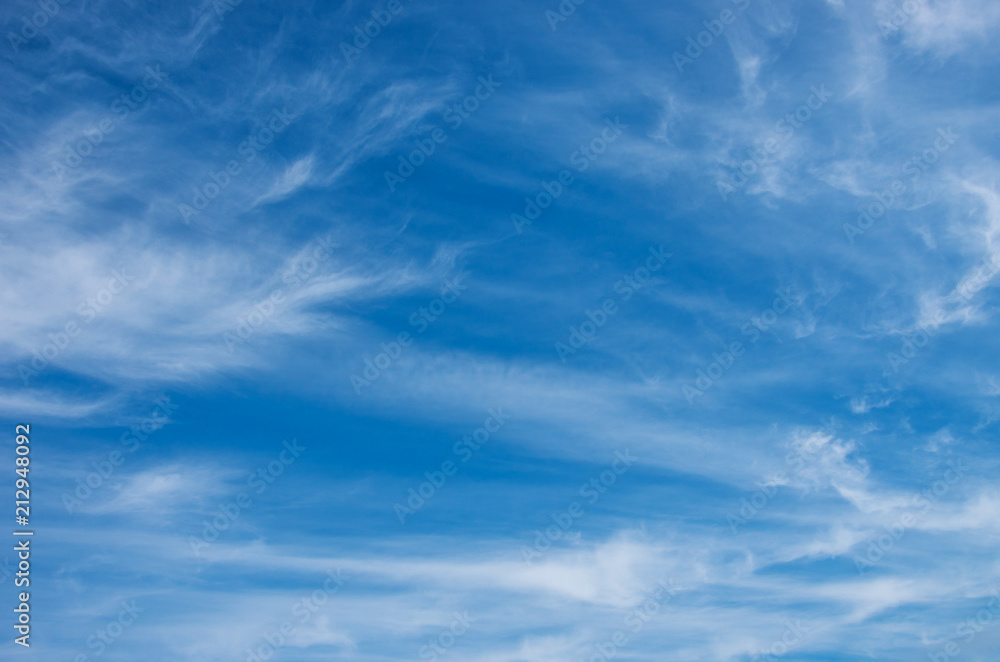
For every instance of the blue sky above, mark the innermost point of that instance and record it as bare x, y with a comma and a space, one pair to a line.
524, 331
